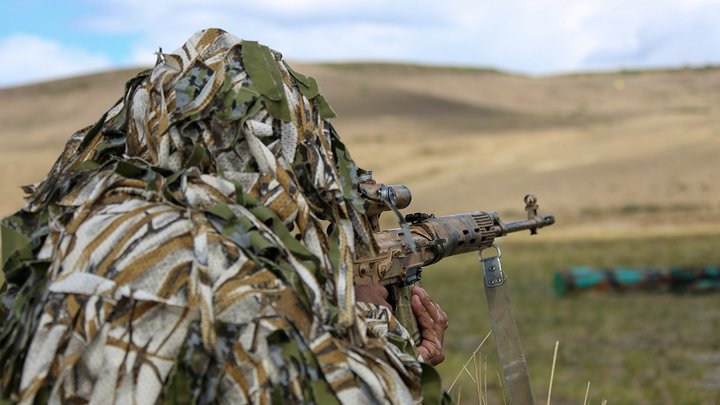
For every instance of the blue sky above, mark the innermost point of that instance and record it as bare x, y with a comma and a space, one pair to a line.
46, 39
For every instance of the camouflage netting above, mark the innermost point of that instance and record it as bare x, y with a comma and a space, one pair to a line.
177, 251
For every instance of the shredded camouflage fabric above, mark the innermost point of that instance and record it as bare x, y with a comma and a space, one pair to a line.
178, 250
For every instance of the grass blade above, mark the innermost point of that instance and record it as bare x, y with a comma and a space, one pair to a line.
502, 389
552, 371
469, 360
485, 375
478, 386
587, 391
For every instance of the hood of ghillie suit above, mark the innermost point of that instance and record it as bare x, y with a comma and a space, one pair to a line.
223, 153
231, 114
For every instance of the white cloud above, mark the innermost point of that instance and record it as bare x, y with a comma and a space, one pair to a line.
27, 58
687, 34
519, 35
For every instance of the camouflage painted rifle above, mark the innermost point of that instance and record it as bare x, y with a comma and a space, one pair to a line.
674, 279
424, 239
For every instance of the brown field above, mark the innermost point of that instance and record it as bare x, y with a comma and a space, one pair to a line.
614, 153
627, 161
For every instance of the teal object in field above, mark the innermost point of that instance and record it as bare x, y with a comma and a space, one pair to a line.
675, 279
581, 278
628, 276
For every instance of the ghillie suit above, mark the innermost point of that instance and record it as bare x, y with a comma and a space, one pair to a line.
177, 251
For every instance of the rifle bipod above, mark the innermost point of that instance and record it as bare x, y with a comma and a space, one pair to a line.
504, 328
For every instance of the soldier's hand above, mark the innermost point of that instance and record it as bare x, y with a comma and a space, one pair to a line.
372, 293
432, 321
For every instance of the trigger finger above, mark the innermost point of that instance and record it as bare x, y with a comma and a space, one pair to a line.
431, 306
420, 310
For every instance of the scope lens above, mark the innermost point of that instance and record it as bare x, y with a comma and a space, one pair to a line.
392, 196
401, 196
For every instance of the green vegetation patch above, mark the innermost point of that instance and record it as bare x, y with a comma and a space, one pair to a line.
632, 347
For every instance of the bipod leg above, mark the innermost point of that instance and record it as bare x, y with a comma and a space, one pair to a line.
507, 338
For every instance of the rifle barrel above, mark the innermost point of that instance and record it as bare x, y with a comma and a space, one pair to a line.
531, 224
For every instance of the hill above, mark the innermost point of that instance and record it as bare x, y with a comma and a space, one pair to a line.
609, 153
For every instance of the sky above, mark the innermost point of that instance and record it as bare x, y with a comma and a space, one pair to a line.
47, 39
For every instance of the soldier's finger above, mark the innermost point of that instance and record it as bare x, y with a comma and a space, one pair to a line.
431, 306
421, 313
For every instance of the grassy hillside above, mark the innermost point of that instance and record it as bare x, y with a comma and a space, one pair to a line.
626, 161
608, 153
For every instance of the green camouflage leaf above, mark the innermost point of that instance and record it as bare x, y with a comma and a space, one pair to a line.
254, 108
178, 388
86, 166
234, 231
222, 211
278, 109
277, 395
305, 80
297, 285
117, 143
308, 85
240, 102
334, 247
14, 242
260, 243
326, 112
265, 214
197, 156
261, 67
174, 177
323, 393
348, 173
245, 222
127, 169
168, 192
162, 171
431, 385
246, 200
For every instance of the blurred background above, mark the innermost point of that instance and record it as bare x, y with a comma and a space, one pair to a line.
609, 111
